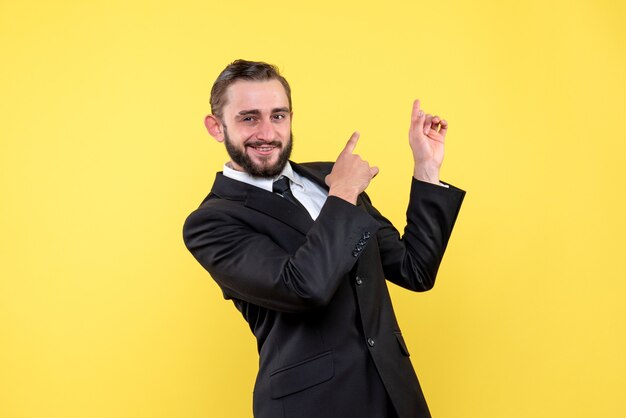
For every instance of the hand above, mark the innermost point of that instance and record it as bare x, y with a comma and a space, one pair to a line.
350, 175
426, 137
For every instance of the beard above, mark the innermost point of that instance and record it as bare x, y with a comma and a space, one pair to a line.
264, 169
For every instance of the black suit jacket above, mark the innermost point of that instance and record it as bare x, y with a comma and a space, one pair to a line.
315, 296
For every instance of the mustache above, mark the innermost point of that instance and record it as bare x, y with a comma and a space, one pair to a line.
259, 142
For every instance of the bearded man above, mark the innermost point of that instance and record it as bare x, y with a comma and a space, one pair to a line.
304, 255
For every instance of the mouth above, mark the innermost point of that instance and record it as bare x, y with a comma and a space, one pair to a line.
263, 148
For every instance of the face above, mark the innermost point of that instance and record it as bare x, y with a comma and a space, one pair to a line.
256, 127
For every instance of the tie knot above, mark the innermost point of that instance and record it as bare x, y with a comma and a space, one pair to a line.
281, 185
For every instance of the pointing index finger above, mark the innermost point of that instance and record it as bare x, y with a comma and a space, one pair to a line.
415, 114
417, 117
351, 145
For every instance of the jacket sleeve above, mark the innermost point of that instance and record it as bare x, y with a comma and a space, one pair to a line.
412, 261
250, 266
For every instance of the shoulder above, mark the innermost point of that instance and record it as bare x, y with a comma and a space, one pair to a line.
214, 213
226, 196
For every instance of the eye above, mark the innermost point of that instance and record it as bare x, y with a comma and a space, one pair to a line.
248, 119
279, 116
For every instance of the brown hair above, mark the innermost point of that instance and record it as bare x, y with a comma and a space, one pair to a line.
243, 70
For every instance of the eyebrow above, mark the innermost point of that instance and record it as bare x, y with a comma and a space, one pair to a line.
258, 112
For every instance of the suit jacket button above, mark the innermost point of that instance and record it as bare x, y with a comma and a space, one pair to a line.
359, 281
371, 342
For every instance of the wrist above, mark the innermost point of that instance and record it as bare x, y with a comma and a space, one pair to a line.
346, 193
426, 174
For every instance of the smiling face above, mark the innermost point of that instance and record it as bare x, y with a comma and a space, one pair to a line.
255, 126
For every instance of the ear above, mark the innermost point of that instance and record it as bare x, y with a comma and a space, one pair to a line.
215, 128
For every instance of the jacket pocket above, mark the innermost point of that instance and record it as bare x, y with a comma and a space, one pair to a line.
302, 375
403, 346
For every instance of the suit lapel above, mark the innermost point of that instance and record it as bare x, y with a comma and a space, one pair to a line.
271, 204
262, 201
278, 208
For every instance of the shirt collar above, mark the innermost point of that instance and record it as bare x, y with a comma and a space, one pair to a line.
263, 183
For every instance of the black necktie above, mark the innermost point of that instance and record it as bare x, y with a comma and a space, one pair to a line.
281, 187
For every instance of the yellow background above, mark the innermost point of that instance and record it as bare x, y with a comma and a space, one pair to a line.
103, 313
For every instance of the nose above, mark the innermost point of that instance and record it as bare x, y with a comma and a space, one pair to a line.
265, 130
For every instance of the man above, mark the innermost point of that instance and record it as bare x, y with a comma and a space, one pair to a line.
304, 255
